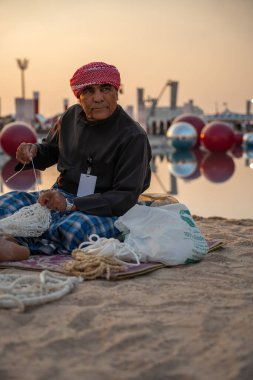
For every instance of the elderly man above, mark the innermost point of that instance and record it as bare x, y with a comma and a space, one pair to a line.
103, 159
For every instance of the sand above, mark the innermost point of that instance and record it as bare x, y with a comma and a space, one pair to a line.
182, 323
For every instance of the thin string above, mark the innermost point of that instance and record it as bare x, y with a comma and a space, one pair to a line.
36, 178
34, 172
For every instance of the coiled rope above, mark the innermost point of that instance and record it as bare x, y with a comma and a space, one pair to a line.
100, 257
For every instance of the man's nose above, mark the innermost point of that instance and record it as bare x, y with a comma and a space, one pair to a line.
98, 95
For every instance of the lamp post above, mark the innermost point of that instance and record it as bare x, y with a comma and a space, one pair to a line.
23, 64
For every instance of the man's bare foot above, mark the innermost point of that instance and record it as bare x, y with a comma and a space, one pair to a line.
10, 250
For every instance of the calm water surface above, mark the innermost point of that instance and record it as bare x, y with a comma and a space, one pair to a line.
209, 184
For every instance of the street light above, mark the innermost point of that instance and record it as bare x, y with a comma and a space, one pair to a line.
23, 64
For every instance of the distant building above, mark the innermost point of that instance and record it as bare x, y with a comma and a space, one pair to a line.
25, 110
238, 121
167, 114
156, 120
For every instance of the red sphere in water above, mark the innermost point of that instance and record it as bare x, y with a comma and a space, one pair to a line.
195, 121
238, 138
237, 151
218, 167
22, 181
13, 134
217, 136
199, 154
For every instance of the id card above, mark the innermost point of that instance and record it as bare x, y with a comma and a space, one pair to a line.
86, 185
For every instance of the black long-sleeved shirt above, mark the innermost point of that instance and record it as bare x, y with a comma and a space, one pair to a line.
120, 153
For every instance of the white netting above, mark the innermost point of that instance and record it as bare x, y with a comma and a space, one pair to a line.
29, 221
19, 291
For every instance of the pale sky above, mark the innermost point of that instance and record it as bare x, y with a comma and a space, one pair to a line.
204, 44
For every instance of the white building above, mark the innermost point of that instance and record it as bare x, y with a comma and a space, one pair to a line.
156, 120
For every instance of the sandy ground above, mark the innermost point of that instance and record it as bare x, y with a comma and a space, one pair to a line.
181, 323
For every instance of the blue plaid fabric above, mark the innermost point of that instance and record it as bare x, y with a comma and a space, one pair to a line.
67, 230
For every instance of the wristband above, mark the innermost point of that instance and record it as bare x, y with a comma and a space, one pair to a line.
69, 205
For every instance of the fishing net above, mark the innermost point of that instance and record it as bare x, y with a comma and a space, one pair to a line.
29, 221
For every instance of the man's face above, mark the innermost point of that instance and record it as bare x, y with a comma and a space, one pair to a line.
98, 101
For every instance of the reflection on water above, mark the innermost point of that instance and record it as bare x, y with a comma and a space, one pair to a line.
25, 180
218, 167
22, 181
208, 183
183, 164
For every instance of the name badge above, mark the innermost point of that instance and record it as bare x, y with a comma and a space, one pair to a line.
86, 185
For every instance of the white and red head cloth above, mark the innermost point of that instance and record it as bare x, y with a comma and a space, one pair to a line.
94, 73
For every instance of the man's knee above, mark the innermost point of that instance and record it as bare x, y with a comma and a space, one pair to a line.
15, 200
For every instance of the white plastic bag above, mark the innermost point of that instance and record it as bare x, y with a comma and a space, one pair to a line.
166, 234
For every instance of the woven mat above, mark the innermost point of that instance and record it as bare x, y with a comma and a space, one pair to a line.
55, 263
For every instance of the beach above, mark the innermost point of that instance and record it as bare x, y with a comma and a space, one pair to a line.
182, 323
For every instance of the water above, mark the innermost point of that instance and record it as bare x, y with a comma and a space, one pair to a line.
209, 184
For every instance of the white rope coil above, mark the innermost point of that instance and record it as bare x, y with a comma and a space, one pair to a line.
110, 248
19, 291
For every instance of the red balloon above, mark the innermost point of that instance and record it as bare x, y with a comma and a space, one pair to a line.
195, 121
217, 136
218, 167
13, 134
22, 181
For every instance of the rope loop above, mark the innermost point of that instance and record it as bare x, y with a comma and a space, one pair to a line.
110, 247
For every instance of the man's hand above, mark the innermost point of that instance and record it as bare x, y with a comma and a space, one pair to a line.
26, 152
54, 200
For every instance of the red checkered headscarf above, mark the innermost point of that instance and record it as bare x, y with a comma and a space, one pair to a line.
94, 73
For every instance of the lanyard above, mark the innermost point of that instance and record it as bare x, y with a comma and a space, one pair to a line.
89, 162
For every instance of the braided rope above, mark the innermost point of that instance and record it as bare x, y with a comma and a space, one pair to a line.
92, 266
100, 257
20, 291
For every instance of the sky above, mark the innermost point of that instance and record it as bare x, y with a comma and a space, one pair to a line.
205, 45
